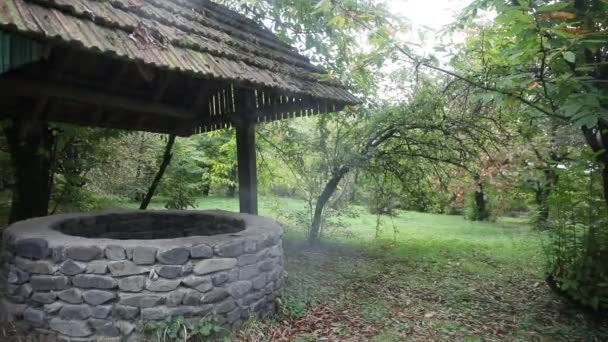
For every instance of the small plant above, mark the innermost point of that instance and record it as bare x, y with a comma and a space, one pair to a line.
177, 329
206, 329
293, 308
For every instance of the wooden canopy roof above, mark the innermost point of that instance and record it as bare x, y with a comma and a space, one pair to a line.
169, 66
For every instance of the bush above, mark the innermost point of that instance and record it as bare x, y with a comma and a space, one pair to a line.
577, 249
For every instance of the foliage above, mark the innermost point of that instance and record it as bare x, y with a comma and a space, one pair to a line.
178, 329
182, 183
78, 151
577, 248
332, 33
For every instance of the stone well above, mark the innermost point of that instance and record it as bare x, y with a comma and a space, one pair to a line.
102, 276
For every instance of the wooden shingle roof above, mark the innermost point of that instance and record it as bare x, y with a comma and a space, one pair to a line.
192, 38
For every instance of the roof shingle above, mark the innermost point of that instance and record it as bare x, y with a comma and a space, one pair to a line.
191, 36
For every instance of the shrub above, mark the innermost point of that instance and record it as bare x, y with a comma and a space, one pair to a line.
577, 248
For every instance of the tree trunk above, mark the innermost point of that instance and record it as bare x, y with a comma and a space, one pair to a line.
30, 144
314, 235
159, 175
481, 206
206, 189
542, 197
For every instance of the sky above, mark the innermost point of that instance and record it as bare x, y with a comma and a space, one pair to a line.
428, 16
427, 20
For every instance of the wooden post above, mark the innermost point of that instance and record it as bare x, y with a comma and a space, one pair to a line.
30, 143
247, 173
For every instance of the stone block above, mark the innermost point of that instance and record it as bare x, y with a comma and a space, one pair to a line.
114, 252
239, 288
230, 249
201, 284
225, 306
175, 298
34, 316
71, 267
144, 300
267, 265
72, 296
250, 246
84, 253
75, 312
155, 313
125, 312
249, 272
201, 251
132, 284
47, 283
52, 308
259, 282
233, 315
169, 271
88, 281
162, 285
143, 255
215, 296
126, 268
173, 256
97, 267
35, 266
126, 328
101, 311
71, 328
275, 252
33, 248
247, 259
25, 291
98, 297
214, 265
44, 297
17, 276
219, 278
192, 297
59, 254
104, 327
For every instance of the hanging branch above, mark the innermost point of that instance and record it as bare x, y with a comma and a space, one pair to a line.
161, 171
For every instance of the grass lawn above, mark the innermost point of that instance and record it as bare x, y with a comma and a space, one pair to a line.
424, 277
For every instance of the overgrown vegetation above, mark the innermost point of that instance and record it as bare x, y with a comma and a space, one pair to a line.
179, 329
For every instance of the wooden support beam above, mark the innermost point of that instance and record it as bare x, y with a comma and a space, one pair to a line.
29, 88
247, 172
244, 124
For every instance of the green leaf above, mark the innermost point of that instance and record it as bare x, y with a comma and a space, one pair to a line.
554, 7
569, 56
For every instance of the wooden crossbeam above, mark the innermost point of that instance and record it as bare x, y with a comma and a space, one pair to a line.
29, 88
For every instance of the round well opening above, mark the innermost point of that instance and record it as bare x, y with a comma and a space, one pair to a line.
149, 226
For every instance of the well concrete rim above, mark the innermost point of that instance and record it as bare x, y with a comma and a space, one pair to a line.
256, 227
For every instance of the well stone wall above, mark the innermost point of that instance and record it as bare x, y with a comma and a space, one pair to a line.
82, 277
